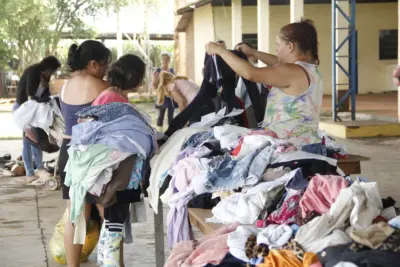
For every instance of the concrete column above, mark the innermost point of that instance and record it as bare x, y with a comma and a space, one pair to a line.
120, 48
296, 10
236, 22
341, 79
263, 31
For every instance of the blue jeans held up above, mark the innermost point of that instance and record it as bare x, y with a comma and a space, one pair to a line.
27, 151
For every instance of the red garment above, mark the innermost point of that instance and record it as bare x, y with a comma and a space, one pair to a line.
287, 213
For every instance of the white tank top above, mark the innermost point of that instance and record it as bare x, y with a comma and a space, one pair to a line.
296, 118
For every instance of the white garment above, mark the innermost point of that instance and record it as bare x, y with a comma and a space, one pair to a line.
360, 204
237, 241
246, 207
253, 142
161, 162
345, 264
338, 237
275, 236
229, 134
389, 213
34, 114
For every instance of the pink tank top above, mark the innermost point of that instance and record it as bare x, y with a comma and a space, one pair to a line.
107, 97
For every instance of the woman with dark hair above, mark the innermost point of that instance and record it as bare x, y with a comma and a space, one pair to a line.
294, 102
33, 76
88, 62
125, 76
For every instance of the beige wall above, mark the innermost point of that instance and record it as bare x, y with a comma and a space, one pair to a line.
374, 74
203, 33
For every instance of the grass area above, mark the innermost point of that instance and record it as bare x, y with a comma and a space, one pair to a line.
10, 138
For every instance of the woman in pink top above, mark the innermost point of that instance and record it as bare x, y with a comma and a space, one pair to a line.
125, 76
180, 88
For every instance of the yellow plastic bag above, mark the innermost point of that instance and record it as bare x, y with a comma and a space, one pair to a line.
57, 240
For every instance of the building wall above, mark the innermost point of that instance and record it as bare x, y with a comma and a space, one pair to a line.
374, 74
203, 33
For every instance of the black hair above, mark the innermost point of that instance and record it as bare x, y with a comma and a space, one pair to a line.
49, 63
80, 56
127, 72
246, 43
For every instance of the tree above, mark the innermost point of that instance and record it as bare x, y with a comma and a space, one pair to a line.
29, 29
23, 30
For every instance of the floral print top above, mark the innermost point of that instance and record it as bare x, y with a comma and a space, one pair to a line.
296, 118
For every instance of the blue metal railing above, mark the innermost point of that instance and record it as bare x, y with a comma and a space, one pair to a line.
352, 72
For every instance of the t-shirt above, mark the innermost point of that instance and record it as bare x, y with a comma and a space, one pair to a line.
187, 88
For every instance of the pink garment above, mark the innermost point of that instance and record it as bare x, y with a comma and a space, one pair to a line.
184, 171
318, 264
107, 97
321, 192
186, 254
187, 88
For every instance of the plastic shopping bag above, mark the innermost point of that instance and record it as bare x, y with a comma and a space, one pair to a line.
57, 240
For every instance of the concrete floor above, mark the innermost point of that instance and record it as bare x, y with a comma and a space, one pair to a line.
28, 214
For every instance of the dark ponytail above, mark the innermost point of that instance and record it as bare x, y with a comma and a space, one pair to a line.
127, 72
80, 56
304, 35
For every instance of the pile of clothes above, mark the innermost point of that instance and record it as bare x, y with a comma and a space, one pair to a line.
281, 205
108, 157
42, 123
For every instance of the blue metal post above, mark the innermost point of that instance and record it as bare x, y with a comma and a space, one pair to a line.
353, 79
334, 114
352, 72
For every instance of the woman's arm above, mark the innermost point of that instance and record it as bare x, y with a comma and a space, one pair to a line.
179, 98
266, 58
154, 81
280, 75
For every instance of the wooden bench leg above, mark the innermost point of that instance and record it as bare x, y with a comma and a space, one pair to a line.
159, 235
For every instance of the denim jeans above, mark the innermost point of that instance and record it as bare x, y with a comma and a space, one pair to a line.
27, 150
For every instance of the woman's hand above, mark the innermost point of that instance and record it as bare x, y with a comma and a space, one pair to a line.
247, 50
213, 48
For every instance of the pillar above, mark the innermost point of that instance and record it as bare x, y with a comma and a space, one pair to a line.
296, 10
236, 22
342, 79
398, 59
263, 31
119, 37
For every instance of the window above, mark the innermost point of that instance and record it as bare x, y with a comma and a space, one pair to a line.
388, 44
250, 38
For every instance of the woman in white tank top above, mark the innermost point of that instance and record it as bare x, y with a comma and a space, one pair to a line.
294, 101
